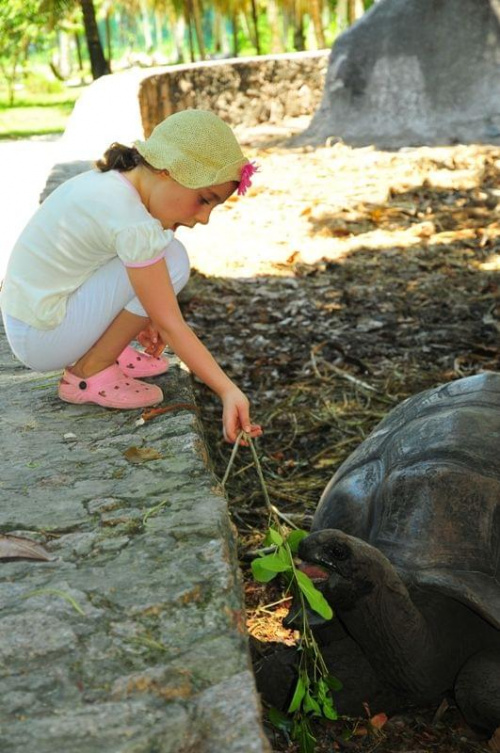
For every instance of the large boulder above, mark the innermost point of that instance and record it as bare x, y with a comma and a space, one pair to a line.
414, 72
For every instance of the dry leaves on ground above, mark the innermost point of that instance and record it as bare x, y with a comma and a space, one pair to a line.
18, 547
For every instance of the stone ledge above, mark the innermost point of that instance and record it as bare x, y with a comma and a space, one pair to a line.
131, 639
242, 91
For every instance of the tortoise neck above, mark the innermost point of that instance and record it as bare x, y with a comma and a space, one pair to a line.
399, 642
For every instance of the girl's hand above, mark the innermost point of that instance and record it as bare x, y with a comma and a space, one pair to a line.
151, 341
236, 416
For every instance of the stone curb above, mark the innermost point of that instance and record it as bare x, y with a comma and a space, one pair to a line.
131, 639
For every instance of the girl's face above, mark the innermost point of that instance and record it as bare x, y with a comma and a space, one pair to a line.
174, 205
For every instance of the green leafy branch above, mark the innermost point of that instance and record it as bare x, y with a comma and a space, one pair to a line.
313, 693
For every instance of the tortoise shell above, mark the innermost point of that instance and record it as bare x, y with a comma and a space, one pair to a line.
424, 489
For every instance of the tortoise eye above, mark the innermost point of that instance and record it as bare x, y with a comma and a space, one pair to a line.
339, 551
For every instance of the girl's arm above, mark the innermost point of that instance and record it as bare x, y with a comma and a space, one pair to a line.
154, 289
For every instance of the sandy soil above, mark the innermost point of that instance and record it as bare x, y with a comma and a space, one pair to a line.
302, 201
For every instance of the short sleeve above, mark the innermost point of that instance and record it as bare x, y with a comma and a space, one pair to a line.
142, 244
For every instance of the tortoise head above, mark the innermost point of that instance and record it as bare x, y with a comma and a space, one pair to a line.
354, 567
327, 559
351, 570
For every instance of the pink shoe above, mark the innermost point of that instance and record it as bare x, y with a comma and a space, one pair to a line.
110, 388
139, 364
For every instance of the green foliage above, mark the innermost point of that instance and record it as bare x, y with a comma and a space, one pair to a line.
38, 84
30, 31
35, 114
21, 23
294, 539
312, 696
301, 732
265, 568
316, 600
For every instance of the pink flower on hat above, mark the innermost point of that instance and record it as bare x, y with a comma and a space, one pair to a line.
245, 177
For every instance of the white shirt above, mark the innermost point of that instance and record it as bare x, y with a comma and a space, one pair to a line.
84, 223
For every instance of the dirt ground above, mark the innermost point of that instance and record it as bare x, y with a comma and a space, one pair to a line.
345, 281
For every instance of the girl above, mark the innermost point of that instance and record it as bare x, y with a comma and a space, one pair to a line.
98, 266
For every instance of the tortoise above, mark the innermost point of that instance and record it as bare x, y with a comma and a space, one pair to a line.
407, 539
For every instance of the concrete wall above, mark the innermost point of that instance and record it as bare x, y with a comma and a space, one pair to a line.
243, 91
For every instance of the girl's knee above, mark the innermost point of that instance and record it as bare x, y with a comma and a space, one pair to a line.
178, 264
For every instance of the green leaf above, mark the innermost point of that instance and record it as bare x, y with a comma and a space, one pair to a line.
329, 710
316, 600
300, 691
301, 732
279, 720
265, 568
260, 573
285, 557
310, 705
294, 538
325, 700
333, 682
321, 689
277, 562
273, 537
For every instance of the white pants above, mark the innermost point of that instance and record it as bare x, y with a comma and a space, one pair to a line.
90, 310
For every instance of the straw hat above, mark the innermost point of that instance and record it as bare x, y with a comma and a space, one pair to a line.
197, 148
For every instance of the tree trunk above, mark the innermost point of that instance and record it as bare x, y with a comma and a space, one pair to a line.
315, 11
63, 63
274, 24
197, 16
342, 15
178, 27
78, 45
234, 24
188, 12
146, 29
247, 28
255, 19
219, 46
108, 36
158, 29
355, 9
98, 63
299, 35
11, 76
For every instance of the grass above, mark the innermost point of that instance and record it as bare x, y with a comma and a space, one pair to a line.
36, 114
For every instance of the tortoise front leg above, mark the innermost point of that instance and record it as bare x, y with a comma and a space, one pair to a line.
477, 690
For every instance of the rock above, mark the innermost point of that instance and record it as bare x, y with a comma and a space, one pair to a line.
412, 72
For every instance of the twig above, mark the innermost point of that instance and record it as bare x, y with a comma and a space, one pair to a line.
251, 555
284, 517
350, 378
269, 504
272, 509
153, 412
231, 459
441, 710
